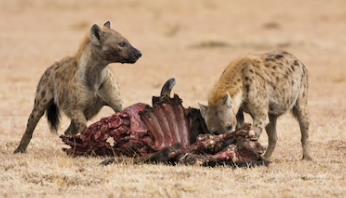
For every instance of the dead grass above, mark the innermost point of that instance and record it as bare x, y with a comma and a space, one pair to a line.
36, 33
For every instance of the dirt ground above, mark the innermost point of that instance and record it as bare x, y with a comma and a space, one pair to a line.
192, 41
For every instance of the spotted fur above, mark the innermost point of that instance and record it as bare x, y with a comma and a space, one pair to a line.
266, 86
82, 84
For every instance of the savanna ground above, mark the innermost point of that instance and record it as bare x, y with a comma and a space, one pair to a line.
192, 41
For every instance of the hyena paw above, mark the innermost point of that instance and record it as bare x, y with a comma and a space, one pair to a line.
267, 157
19, 150
307, 158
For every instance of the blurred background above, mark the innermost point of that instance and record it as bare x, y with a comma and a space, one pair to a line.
192, 41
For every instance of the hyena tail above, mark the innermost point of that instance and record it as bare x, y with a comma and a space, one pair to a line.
53, 117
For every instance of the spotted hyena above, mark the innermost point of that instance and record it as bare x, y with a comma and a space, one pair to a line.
265, 86
82, 84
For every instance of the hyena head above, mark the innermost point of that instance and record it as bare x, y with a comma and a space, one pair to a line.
112, 46
219, 117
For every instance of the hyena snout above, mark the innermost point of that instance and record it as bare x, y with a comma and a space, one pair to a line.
228, 128
219, 122
133, 55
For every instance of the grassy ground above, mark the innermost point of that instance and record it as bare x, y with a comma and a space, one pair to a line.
192, 41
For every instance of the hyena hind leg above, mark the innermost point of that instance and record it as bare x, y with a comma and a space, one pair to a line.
300, 112
39, 108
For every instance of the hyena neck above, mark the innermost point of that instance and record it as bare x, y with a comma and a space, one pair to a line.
92, 68
230, 83
237, 99
219, 93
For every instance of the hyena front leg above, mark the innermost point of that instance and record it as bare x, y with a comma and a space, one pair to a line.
78, 122
94, 109
258, 107
259, 122
88, 114
109, 92
40, 105
240, 119
71, 129
272, 136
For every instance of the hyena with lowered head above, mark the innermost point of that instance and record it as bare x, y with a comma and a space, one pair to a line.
81, 85
265, 86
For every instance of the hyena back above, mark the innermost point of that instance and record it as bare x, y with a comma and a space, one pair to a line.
81, 85
265, 86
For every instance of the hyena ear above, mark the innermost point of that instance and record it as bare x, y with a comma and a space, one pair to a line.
95, 35
203, 108
107, 24
228, 100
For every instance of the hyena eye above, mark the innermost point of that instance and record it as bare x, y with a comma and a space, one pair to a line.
122, 44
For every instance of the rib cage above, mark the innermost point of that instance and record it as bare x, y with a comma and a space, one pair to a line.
168, 123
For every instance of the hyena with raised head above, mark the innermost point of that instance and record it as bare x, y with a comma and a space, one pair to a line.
81, 85
265, 86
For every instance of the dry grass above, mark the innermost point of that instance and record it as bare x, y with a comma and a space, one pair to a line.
35, 33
